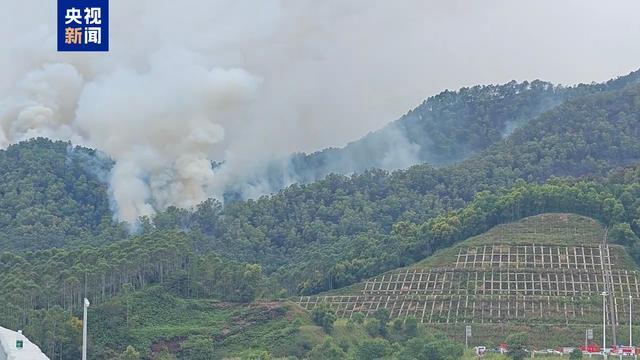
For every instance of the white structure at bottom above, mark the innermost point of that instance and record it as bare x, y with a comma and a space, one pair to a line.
9, 347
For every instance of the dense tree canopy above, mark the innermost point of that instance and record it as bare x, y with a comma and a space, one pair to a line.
60, 244
341, 229
444, 129
53, 194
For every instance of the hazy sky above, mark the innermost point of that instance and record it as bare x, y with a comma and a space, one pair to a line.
245, 81
348, 67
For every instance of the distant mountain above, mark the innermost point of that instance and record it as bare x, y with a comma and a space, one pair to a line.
53, 194
444, 129
305, 239
345, 224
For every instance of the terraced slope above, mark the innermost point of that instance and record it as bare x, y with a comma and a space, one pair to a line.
548, 270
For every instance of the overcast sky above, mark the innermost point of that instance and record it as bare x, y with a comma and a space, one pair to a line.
348, 67
246, 81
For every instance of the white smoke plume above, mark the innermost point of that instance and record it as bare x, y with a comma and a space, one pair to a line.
187, 82
163, 153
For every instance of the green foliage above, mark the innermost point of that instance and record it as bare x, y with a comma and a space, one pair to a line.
431, 348
340, 230
516, 344
413, 349
197, 348
56, 280
373, 327
576, 354
382, 315
411, 327
200, 328
166, 355
444, 129
259, 355
53, 194
327, 350
323, 316
164, 284
358, 317
56, 331
621, 233
373, 349
130, 353
441, 350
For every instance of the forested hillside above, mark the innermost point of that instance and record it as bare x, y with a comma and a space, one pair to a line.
62, 188
341, 227
40, 291
155, 293
444, 129
52, 194
580, 157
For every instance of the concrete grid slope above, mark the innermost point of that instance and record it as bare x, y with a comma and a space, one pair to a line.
502, 278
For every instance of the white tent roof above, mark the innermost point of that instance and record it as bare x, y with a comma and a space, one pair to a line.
8, 350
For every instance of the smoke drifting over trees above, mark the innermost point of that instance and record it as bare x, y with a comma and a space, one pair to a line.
191, 82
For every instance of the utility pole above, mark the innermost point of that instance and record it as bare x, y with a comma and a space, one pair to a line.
604, 322
467, 335
630, 319
84, 329
588, 335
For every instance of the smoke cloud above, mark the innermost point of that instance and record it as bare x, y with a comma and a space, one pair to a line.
244, 82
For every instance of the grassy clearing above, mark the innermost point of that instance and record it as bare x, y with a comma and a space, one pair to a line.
158, 320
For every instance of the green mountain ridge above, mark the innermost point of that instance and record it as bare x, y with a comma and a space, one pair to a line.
60, 242
446, 128
347, 220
